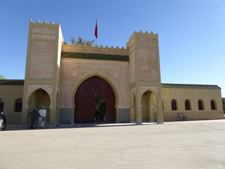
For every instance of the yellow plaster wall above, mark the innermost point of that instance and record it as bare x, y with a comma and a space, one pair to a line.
193, 95
9, 94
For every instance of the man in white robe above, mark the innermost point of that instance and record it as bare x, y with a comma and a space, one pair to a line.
42, 113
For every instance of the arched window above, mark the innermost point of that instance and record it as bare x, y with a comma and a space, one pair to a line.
1, 105
18, 105
187, 105
213, 105
173, 105
200, 105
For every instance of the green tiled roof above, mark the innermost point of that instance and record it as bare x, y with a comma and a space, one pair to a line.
194, 86
11, 82
95, 56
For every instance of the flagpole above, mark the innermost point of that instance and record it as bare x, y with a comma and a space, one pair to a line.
96, 31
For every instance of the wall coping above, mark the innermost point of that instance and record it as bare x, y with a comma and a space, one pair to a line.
11, 82
95, 56
194, 86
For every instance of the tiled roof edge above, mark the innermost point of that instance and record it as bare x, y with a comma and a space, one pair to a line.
11, 82
195, 86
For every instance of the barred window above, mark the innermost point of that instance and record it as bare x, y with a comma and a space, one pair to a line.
200, 105
18, 105
187, 105
173, 105
213, 105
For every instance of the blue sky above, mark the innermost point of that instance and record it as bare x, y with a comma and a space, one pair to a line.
191, 32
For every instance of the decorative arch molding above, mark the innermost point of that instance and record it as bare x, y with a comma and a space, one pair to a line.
33, 88
73, 71
154, 90
102, 76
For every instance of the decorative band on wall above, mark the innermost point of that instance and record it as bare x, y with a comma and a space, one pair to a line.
46, 88
11, 82
95, 56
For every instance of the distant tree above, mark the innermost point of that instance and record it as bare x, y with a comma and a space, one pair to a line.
2, 77
83, 42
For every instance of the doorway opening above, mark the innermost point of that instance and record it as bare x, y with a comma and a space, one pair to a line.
94, 102
38, 99
100, 109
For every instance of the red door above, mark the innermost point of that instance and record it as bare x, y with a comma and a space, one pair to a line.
85, 100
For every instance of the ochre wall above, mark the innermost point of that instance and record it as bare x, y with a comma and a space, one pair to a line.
9, 94
181, 94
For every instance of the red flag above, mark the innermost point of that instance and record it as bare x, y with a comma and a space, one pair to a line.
96, 30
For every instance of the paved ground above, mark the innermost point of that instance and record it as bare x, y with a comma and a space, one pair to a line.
181, 145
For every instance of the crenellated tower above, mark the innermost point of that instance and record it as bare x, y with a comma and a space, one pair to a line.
145, 80
42, 74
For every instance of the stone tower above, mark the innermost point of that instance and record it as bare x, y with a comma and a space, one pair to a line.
43, 70
145, 80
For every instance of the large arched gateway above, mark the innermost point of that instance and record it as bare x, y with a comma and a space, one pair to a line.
85, 100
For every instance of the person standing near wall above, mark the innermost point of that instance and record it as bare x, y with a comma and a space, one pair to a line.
42, 113
34, 118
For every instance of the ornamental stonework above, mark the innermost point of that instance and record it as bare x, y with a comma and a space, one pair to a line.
155, 90
146, 39
42, 56
48, 37
147, 45
131, 43
148, 65
32, 88
132, 67
74, 71
44, 30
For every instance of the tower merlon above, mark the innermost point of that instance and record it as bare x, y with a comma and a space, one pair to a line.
141, 34
44, 23
94, 49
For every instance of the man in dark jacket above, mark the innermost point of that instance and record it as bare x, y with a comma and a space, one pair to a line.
34, 118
